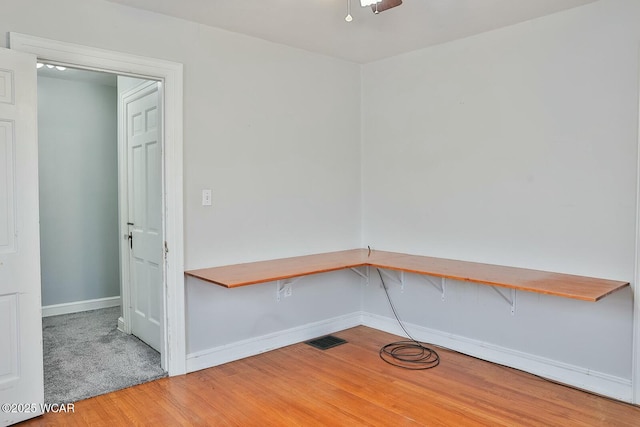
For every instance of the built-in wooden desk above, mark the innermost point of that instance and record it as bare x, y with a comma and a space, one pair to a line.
557, 284
233, 276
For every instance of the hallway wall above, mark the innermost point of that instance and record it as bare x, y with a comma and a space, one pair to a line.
78, 190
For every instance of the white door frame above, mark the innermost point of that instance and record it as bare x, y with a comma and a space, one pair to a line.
635, 359
170, 74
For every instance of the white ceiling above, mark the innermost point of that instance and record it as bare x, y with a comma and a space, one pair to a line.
319, 25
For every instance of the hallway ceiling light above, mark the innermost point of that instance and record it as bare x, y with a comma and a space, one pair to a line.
50, 66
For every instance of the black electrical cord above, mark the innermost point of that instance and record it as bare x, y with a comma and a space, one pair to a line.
413, 354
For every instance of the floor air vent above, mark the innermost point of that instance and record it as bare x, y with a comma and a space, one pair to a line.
326, 342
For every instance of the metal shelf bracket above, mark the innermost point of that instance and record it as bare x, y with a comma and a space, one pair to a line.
398, 279
511, 301
439, 286
364, 275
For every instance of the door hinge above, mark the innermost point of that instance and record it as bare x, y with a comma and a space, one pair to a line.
166, 250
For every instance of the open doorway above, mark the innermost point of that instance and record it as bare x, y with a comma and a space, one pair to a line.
101, 230
27, 49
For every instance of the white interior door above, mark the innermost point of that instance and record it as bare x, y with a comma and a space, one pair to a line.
21, 375
144, 163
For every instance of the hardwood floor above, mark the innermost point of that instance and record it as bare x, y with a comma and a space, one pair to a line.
348, 385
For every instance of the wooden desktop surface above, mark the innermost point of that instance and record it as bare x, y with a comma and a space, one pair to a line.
233, 276
543, 282
557, 284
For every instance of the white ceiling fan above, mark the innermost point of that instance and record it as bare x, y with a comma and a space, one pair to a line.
376, 6
381, 5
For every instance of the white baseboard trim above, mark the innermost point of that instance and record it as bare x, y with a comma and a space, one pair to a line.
78, 306
121, 324
576, 376
250, 347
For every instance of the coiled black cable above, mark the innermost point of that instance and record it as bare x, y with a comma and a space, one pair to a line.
413, 354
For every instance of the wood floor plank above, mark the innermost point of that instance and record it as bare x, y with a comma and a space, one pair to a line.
348, 385
388, 390
498, 384
316, 389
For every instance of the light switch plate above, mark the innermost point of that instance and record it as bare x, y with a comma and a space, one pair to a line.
206, 197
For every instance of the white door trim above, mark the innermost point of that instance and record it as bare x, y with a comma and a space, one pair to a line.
170, 73
635, 359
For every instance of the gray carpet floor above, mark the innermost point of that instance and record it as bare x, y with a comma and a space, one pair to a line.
85, 355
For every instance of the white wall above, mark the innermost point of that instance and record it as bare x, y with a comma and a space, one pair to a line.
271, 129
77, 143
225, 321
514, 147
277, 148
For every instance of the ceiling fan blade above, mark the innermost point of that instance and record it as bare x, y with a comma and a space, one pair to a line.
385, 5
